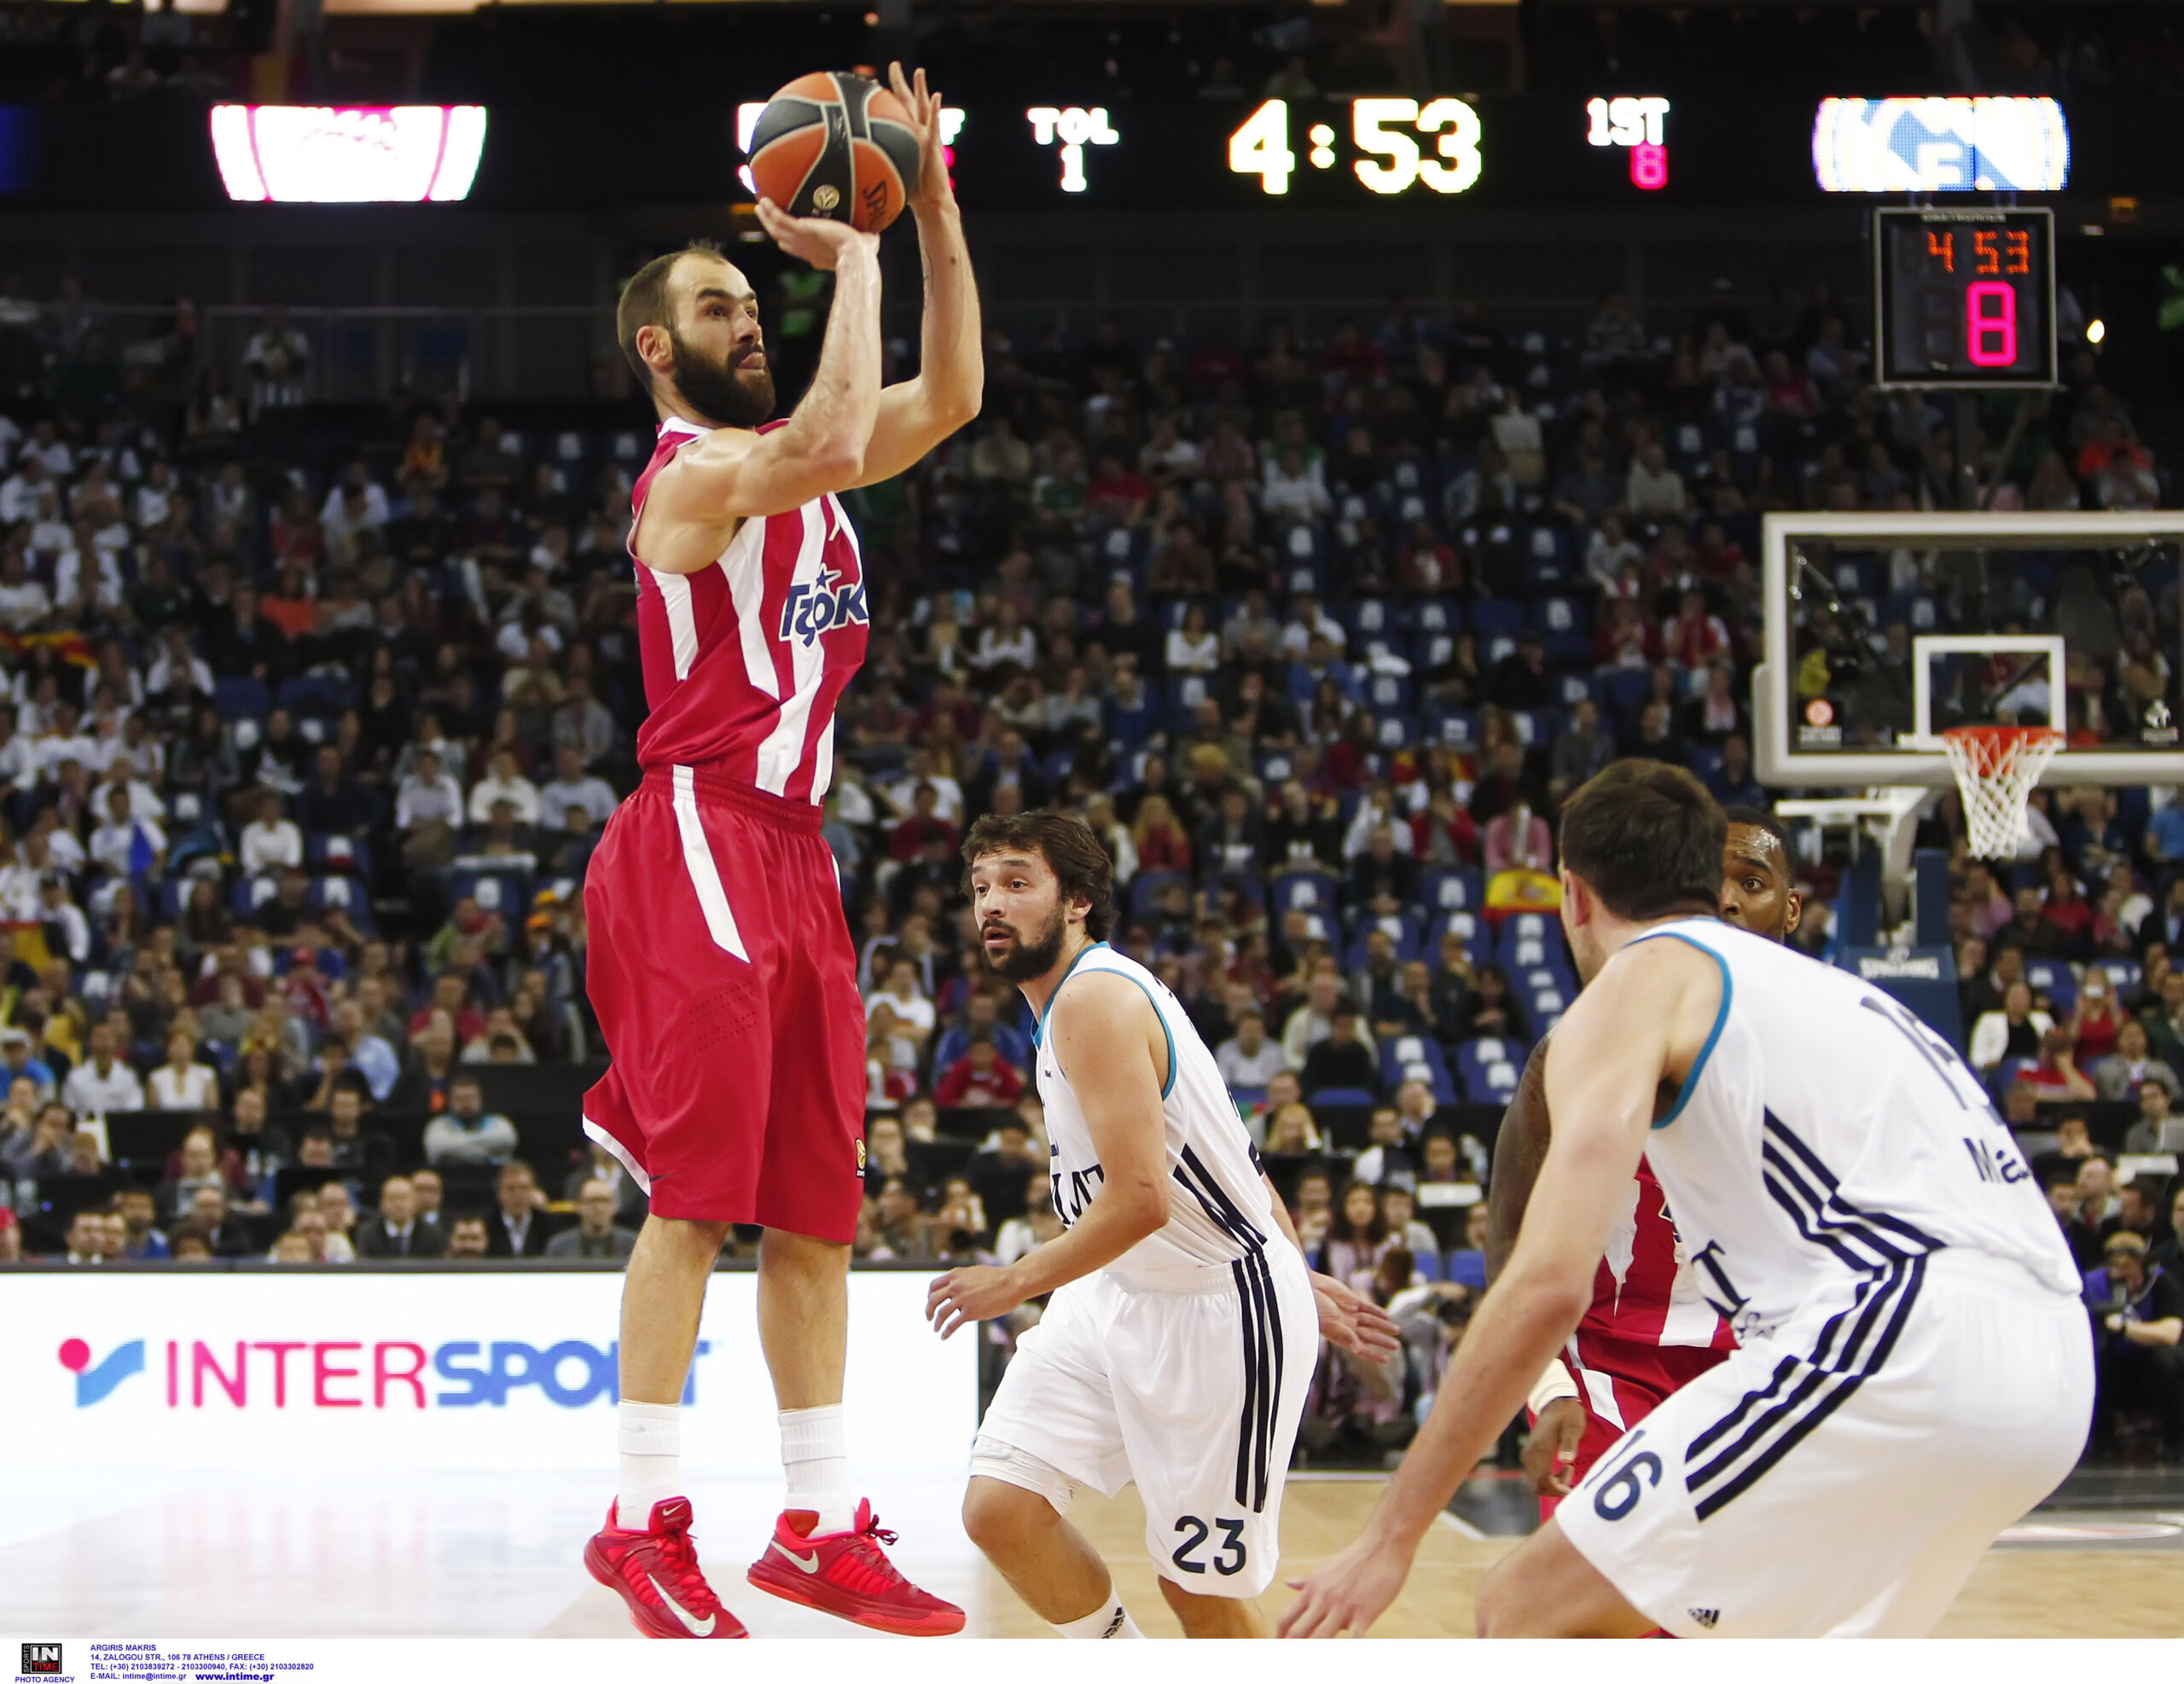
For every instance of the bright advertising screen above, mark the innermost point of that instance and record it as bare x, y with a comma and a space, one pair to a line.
311, 154
1950, 144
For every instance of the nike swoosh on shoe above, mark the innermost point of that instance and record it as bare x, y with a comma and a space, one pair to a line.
809, 1566
696, 1627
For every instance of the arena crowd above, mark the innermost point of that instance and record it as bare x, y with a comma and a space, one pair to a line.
314, 718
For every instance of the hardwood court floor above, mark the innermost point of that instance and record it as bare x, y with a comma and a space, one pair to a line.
182, 1554
2089, 1588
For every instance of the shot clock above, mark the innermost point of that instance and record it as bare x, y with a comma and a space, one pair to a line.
1965, 298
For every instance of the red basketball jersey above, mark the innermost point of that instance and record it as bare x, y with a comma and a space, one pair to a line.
744, 661
1644, 1292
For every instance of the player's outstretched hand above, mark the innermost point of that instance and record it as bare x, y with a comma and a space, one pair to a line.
1552, 1446
820, 241
1353, 1323
924, 106
1346, 1592
976, 1293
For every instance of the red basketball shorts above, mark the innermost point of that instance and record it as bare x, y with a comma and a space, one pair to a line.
1620, 1383
721, 968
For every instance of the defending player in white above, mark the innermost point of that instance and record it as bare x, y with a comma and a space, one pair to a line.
1915, 1370
1180, 1340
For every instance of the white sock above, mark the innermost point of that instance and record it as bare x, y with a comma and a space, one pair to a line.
651, 1437
818, 1462
1109, 1619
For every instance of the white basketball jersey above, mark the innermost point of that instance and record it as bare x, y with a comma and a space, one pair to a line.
1826, 1139
1219, 1211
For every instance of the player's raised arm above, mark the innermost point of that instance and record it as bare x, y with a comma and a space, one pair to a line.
1637, 1024
731, 473
917, 413
1110, 1041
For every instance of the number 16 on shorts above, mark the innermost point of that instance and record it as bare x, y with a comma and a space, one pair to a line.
1628, 1474
1228, 1556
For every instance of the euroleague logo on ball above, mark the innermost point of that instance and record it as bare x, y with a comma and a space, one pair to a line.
825, 198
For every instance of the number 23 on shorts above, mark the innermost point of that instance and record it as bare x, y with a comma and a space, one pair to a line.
1227, 1560
1627, 1478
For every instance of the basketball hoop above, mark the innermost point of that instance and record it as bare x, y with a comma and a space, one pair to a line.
1996, 767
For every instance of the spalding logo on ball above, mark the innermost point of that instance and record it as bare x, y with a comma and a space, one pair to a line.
834, 144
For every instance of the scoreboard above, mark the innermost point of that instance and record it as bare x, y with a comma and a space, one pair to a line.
1963, 298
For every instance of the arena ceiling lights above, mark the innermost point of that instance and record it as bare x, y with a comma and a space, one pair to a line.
309, 154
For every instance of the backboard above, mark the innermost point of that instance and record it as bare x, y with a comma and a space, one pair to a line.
1884, 629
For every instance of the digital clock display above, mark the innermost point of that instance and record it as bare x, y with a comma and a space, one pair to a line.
1390, 146
1965, 298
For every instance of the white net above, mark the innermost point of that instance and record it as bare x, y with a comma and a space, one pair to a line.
1996, 767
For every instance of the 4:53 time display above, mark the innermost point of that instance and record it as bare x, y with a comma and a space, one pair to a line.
1399, 144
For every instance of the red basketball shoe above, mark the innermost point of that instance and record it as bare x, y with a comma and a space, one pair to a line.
657, 1573
849, 1575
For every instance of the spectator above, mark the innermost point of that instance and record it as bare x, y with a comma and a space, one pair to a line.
518, 1226
2140, 1325
2015, 1032
396, 1232
596, 1234
467, 1238
2129, 1067
2155, 1109
1248, 1059
466, 1132
981, 1078
270, 841
1357, 1237
102, 1083
1342, 1058
181, 1083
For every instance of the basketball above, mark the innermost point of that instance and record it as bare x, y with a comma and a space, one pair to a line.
835, 144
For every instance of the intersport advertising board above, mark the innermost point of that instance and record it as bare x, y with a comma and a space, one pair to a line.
431, 1369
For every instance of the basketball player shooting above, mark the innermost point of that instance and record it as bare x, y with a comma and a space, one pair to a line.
1178, 1345
1649, 1328
720, 964
1913, 1369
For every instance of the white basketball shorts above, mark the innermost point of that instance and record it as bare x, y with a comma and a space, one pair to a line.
1842, 1476
1192, 1388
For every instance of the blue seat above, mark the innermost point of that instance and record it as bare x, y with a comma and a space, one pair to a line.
1627, 688
507, 892
2123, 974
1370, 616
240, 698
1427, 1264
1490, 1067
1308, 891
1499, 617
351, 855
1343, 1096
1463, 926
1406, 1057
2056, 980
1441, 890
1388, 694
250, 893
1452, 728
344, 895
314, 695
1146, 886
1438, 614
1467, 1269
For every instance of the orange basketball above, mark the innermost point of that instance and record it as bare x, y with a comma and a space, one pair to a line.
835, 144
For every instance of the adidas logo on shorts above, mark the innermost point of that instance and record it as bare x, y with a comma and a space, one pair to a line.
1708, 1617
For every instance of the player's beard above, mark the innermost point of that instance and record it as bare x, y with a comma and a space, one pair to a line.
1026, 960
724, 394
